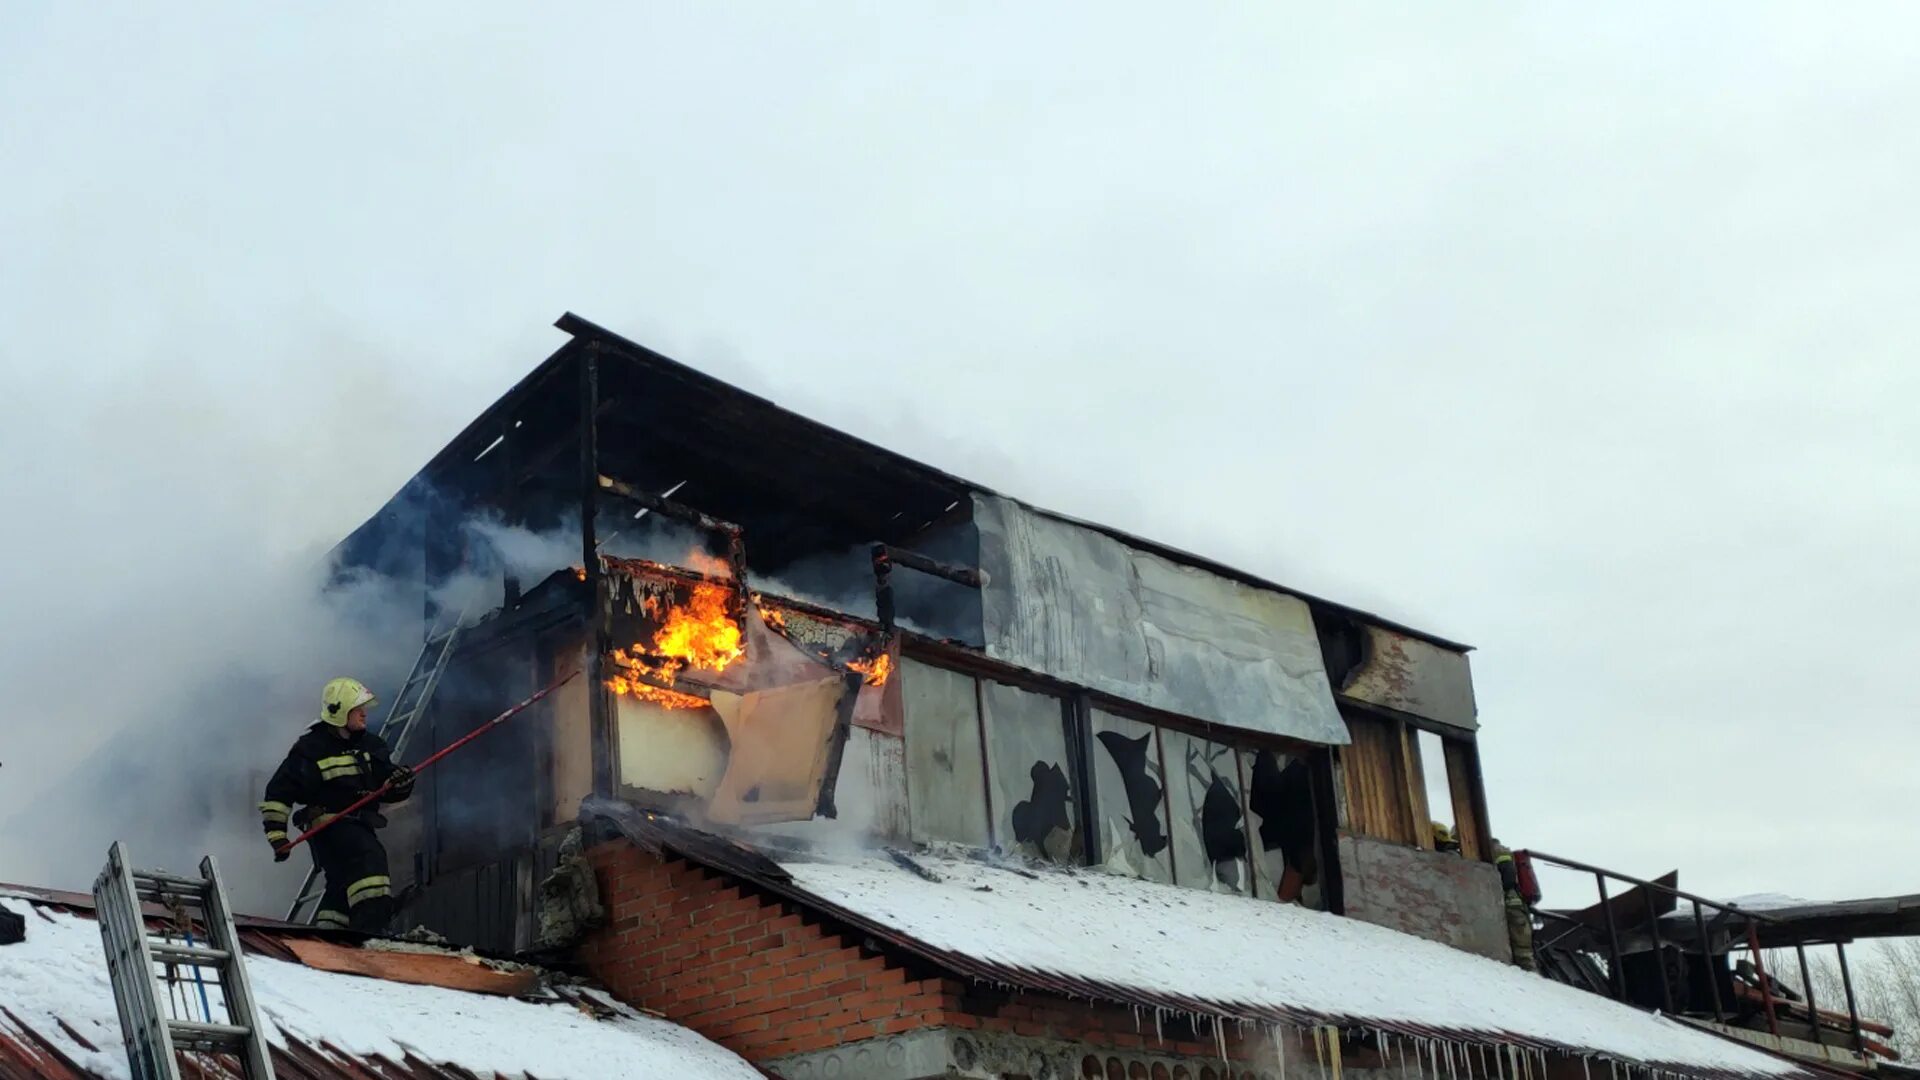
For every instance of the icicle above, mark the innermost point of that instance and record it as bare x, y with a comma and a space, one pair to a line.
1333, 1048
1319, 1052
1586, 1067
1400, 1047
1157, 1039
1136, 1019
1220, 1038
1433, 1055
1280, 1049
1450, 1073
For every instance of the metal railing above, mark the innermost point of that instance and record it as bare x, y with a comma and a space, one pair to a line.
1724, 913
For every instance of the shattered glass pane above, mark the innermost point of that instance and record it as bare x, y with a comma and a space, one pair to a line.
1280, 822
1208, 823
1130, 791
946, 782
1030, 773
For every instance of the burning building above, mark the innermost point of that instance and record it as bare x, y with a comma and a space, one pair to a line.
885, 774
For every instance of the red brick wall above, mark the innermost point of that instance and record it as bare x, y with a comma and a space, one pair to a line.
738, 968
748, 972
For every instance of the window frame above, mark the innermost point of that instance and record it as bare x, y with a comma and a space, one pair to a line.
1078, 705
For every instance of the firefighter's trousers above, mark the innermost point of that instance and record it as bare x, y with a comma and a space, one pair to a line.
359, 894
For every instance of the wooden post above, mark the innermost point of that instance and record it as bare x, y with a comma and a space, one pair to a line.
1415, 779
1461, 787
599, 722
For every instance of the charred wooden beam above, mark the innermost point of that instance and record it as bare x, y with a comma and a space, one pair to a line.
971, 576
678, 511
883, 586
735, 536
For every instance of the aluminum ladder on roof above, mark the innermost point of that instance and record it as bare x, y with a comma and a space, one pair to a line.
398, 728
155, 1025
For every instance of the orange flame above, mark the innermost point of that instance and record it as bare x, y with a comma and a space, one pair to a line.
580, 572
631, 686
700, 634
876, 670
773, 617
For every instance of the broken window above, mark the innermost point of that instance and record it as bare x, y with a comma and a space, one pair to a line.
1030, 773
1208, 821
1430, 756
946, 774
1401, 781
1281, 829
1130, 788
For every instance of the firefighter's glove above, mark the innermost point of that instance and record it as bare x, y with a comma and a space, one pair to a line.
399, 785
280, 850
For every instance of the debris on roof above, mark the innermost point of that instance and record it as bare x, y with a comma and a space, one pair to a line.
58, 1018
1187, 951
446, 969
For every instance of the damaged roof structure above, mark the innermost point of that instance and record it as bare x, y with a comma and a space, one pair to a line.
422, 1013
885, 774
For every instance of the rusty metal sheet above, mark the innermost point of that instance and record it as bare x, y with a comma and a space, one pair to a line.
1413, 676
1080, 605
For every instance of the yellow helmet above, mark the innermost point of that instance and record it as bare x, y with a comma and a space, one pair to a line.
341, 697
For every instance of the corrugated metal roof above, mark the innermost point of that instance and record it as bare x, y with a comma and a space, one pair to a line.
882, 494
48, 1048
754, 868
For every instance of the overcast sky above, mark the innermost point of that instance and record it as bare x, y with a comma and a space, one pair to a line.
1583, 336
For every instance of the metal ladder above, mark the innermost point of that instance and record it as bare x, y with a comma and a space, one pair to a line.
151, 1034
398, 728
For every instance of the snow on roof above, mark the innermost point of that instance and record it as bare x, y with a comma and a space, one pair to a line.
55, 984
1245, 956
1770, 901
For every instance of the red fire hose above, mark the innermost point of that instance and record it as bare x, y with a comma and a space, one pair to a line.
456, 744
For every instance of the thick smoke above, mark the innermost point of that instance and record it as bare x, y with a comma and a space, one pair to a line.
166, 634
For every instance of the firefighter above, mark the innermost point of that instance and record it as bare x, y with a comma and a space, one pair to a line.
1521, 891
331, 765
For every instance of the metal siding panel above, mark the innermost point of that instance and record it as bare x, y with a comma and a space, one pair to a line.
946, 792
1079, 605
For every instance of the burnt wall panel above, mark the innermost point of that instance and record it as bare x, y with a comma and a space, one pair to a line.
1079, 605
1435, 895
1415, 677
946, 777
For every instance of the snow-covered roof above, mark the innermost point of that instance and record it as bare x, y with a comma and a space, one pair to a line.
56, 1003
1139, 942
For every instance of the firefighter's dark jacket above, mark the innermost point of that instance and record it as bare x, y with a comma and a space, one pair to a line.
324, 774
